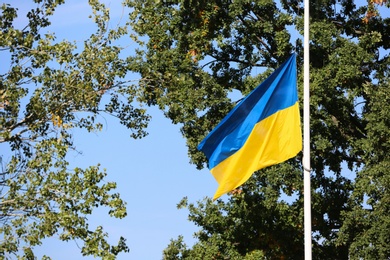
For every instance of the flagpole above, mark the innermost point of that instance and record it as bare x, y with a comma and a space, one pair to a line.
306, 134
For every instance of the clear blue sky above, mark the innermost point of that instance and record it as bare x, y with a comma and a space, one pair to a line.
153, 174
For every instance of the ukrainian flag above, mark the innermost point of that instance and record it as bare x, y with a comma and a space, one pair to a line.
262, 130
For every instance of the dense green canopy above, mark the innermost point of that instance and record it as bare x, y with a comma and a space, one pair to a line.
196, 53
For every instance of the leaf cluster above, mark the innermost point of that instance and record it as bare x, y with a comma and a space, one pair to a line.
196, 55
49, 88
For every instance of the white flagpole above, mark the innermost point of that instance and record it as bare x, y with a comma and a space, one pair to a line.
306, 134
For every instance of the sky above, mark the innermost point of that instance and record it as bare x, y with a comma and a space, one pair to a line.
152, 174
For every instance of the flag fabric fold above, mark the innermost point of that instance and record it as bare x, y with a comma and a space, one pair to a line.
262, 130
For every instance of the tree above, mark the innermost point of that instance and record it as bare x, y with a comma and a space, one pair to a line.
48, 89
196, 53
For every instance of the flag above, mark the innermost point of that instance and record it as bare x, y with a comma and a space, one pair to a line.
262, 130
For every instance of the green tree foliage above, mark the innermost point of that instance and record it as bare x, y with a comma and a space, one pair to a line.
196, 53
49, 88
